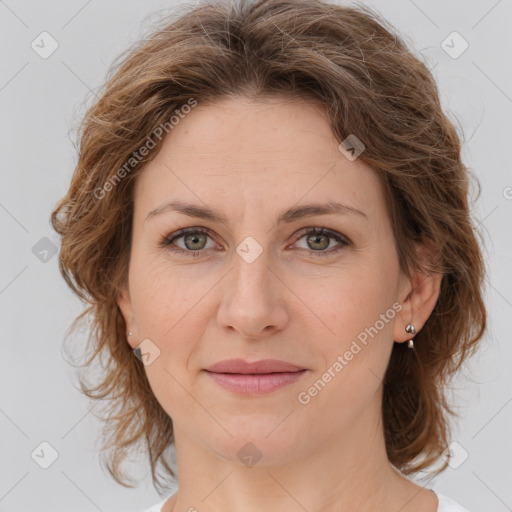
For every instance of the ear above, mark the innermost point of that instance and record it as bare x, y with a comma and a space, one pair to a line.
419, 295
125, 305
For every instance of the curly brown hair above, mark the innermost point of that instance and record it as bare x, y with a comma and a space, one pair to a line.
353, 63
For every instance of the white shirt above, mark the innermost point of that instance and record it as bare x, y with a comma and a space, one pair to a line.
445, 505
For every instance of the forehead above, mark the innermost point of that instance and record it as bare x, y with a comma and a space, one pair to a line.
271, 152
240, 129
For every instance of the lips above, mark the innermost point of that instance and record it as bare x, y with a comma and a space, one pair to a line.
258, 367
261, 377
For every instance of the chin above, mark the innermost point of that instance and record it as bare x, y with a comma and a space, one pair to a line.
264, 442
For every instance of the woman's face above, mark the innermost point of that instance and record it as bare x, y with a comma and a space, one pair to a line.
252, 288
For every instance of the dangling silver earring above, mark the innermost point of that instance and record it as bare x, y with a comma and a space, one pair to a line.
411, 330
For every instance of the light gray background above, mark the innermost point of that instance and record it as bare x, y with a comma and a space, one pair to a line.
42, 99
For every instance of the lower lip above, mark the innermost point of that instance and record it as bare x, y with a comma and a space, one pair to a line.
252, 384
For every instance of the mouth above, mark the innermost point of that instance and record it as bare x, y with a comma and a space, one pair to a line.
261, 377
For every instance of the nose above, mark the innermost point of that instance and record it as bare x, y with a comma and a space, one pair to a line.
253, 300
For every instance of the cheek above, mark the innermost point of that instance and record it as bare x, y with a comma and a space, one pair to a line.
358, 310
170, 309
355, 358
352, 299
162, 294
167, 312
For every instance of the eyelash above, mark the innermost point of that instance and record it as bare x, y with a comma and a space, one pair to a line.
167, 241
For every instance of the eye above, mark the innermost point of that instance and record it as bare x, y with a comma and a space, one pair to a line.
194, 241
318, 240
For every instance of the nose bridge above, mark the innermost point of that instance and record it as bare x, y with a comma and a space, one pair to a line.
250, 300
251, 272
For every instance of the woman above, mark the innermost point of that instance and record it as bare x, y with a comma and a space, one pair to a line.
269, 220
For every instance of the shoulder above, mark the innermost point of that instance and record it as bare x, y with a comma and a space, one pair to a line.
157, 507
447, 505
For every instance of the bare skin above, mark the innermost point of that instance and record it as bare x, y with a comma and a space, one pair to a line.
251, 161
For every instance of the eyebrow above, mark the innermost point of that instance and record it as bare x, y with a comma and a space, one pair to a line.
288, 216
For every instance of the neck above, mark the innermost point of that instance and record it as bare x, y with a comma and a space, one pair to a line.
349, 471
